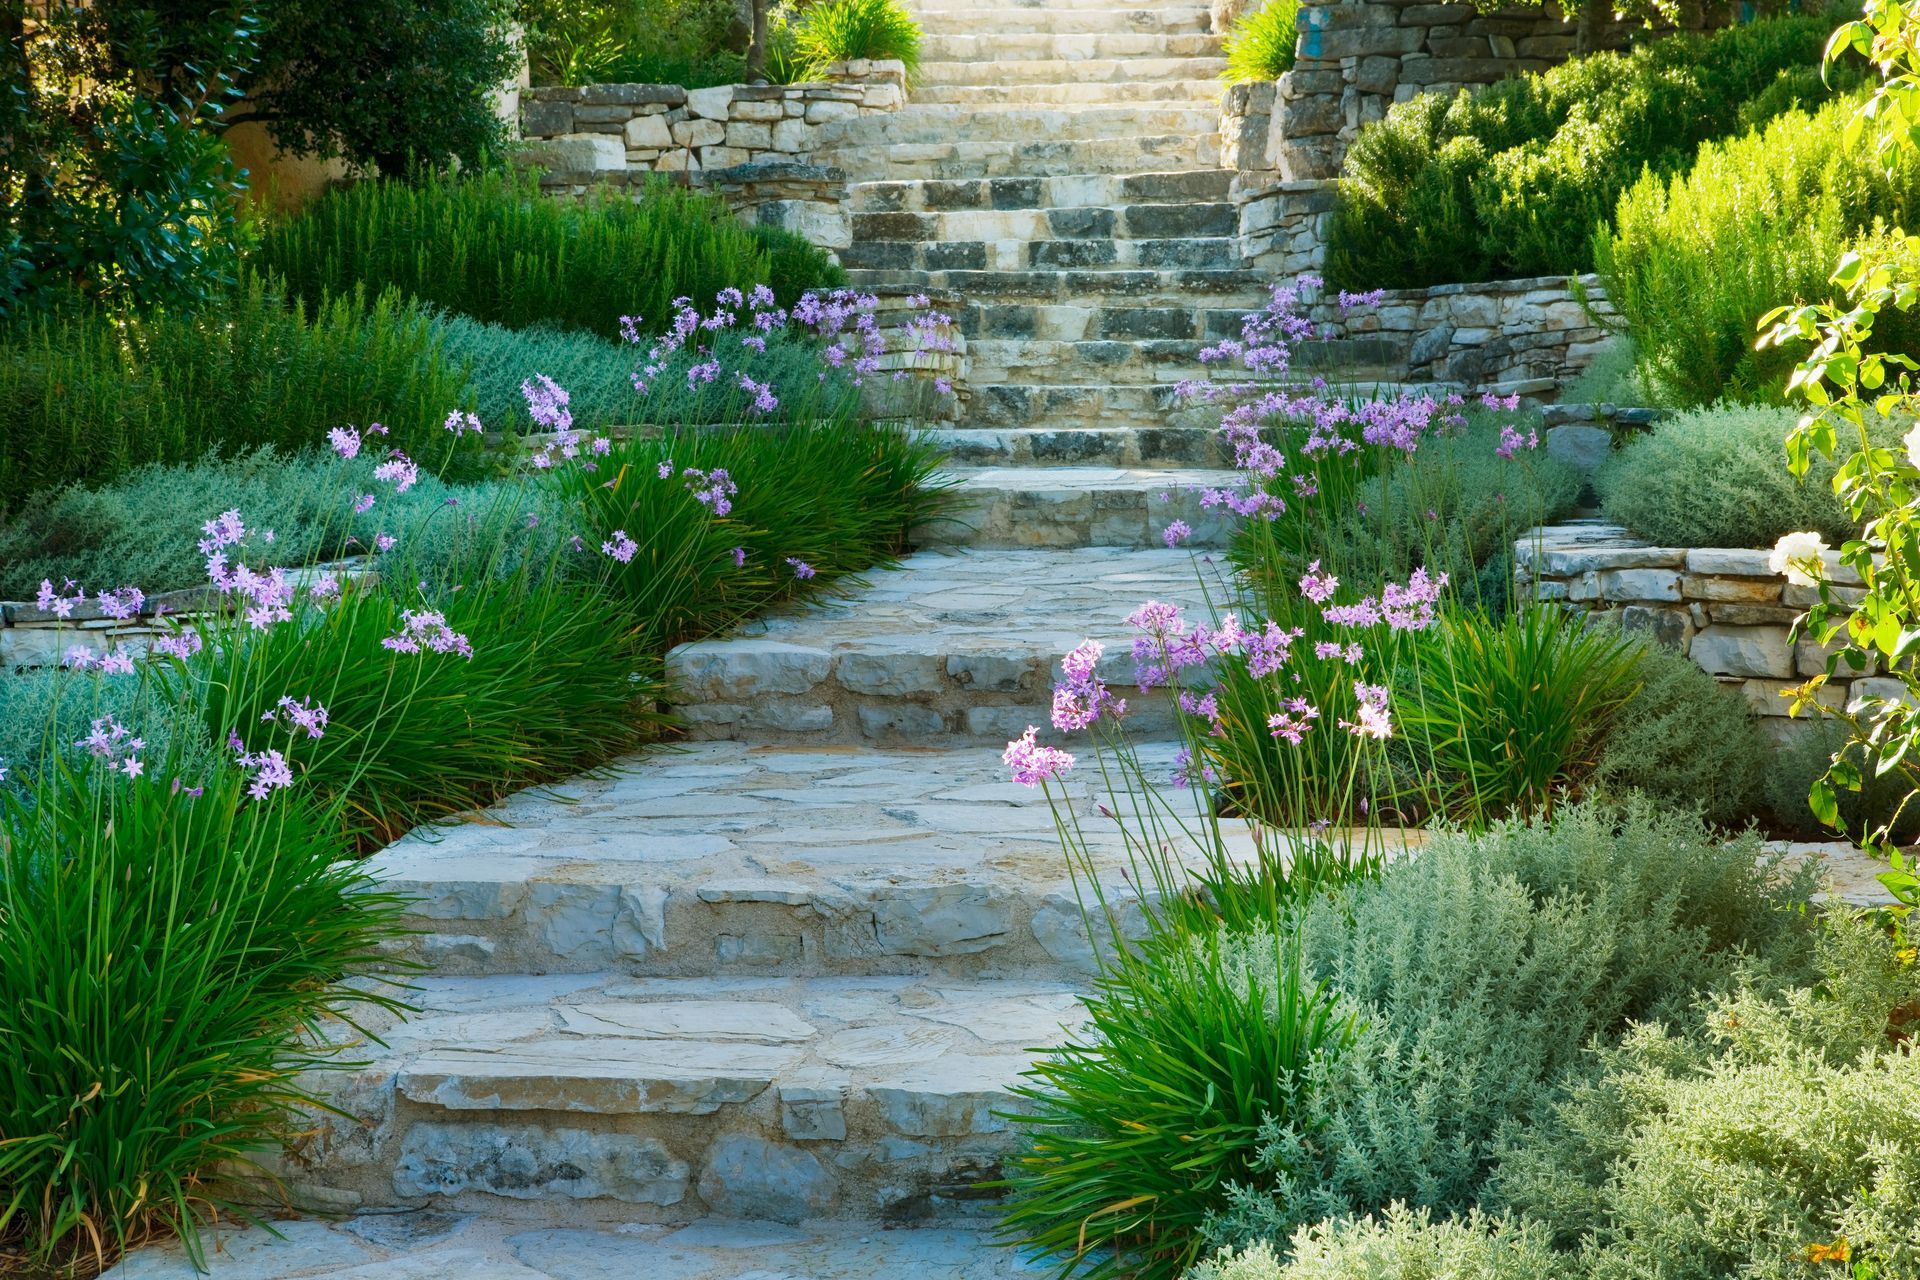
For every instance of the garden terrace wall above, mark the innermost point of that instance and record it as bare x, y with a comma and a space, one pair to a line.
1354, 60
601, 129
1522, 337
1722, 607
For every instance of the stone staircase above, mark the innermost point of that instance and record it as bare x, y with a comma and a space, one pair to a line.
792, 972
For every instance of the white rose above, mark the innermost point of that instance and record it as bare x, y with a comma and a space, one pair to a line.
1798, 556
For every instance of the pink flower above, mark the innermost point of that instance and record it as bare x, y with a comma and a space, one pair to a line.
427, 630
621, 548
1316, 586
1030, 763
400, 471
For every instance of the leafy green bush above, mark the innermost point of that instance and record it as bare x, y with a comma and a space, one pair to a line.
85, 398
1133, 1136
1775, 1129
1507, 717
1510, 179
1717, 477
832, 31
1684, 741
1262, 43
694, 43
1481, 969
168, 962
1694, 261
490, 246
1400, 1244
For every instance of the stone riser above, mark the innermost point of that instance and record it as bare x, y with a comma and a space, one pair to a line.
1089, 190
1005, 49
1099, 224
1068, 93
963, 160
1024, 255
1063, 20
1080, 507
926, 124
603, 1098
1162, 447
1061, 71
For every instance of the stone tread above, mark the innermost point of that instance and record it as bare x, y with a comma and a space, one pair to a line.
781, 1098
445, 1246
946, 646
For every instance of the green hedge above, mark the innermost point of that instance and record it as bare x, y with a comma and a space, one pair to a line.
492, 247
1510, 180
1694, 261
87, 396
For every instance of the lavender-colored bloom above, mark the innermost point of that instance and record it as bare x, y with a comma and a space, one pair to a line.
620, 547
1030, 763
400, 471
427, 630
1316, 586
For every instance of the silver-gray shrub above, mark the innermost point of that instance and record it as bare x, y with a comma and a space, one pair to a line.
1399, 1244
1717, 477
1769, 1123
1484, 966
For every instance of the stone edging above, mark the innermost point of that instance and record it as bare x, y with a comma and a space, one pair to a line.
1722, 607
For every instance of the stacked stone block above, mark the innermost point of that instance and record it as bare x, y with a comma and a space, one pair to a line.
1722, 607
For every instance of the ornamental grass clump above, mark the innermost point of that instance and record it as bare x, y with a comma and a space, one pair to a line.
833, 31
174, 952
489, 245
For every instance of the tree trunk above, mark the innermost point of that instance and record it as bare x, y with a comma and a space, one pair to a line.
757, 50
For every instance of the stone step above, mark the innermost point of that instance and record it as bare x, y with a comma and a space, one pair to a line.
1208, 219
936, 123
665, 1100
1080, 506
727, 859
1188, 288
1181, 19
1048, 156
946, 648
1001, 49
1041, 361
1020, 254
936, 71
437, 1246
1069, 91
1081, 190
1092, 446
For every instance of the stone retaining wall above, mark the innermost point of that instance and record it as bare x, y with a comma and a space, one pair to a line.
1722, 607
1522, 337
602, 129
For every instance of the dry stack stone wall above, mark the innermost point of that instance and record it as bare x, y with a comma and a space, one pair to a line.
1722, 607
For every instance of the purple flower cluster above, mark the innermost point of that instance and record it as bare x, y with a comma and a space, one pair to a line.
1030, 763
1081, 698
426, 630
